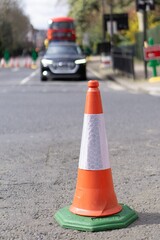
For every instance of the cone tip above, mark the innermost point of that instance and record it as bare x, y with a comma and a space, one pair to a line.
93, 84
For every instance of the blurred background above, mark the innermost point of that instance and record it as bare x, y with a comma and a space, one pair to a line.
24, 24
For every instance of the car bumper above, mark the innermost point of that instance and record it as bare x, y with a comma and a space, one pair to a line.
80, 73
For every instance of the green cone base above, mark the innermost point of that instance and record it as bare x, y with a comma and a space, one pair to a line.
94, 224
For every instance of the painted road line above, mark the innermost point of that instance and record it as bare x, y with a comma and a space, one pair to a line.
27, 79
155, 93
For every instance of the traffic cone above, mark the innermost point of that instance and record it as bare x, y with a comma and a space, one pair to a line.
12, 63
27, 62
3, 63
17, 62
95, 206
94, 194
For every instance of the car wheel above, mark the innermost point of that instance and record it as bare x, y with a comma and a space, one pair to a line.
43, 78
83, 77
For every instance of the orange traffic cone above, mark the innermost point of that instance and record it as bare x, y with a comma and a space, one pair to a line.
95, 206
27, 62
12, 63
94, 194
17, 62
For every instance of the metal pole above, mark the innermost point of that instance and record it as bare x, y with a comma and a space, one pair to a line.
145, 39
103, 22
84, 2
111, 33
111, 22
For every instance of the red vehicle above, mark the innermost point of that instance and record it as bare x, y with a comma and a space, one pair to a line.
61, 29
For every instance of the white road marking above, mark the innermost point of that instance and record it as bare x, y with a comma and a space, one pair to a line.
154, 93
27, 79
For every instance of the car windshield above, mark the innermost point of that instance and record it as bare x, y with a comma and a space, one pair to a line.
63, 50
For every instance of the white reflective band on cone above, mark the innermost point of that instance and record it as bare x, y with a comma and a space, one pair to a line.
94, 147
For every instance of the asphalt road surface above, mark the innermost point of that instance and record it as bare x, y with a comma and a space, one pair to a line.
40, 135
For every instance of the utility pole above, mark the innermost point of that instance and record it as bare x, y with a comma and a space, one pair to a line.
145, 40
84, 2
103, 22
111, 22
144, 6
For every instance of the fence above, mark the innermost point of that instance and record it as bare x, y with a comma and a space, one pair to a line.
123, 60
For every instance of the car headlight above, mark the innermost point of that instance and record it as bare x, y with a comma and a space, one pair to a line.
80, 61
46, 62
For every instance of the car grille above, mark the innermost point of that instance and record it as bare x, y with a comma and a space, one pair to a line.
63, 67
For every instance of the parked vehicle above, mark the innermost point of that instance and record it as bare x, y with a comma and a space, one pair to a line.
63, 60
61, 29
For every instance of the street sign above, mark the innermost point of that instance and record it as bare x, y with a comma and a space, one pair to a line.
145, 5
152, 52
121, 20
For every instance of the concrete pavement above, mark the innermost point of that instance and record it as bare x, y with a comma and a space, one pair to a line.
139, 84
